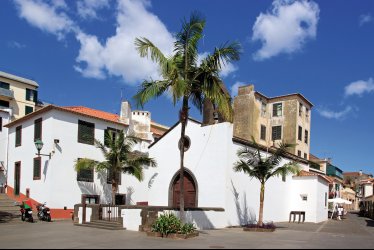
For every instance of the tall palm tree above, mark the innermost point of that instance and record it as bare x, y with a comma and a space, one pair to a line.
119, 158
264, 166
186, 80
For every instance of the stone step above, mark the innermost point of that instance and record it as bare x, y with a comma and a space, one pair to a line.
101, 226
105, 222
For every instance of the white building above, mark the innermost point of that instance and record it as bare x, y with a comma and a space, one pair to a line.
229, 198
5, 115
68, 133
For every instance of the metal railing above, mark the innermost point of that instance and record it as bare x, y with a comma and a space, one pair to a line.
7, 93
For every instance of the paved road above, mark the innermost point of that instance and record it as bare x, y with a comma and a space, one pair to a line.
353, 232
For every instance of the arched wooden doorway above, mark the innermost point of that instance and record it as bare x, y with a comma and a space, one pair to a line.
190, 190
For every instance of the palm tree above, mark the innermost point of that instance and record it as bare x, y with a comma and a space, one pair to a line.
253, 163
119, 158
186, 80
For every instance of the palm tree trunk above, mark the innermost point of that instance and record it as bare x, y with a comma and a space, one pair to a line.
114, 191
262, 197
183, 119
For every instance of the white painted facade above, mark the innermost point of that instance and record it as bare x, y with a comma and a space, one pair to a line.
5, 115
58, 185
210, 159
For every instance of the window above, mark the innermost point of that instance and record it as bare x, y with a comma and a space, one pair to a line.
31, 95
300, 135
263, 109
86, 132
187, 143
306, 112
28, 110
114, 133
1, 124
263, 132
277, 133
325, 199
300, 109
299, 153
284, 177
4, 85
306, 136
277, 109
37, 168
38, 129
305, 156
18, 136
4, 104
86, 175
117, 178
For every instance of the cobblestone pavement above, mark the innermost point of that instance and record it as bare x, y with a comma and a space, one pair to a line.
352, 232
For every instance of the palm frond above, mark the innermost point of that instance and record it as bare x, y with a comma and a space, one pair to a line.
84, 163
146, 48
150, 90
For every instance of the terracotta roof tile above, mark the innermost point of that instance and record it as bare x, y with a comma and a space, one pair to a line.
93, 113
306, 173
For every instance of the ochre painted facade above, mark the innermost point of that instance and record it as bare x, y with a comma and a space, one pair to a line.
253, 110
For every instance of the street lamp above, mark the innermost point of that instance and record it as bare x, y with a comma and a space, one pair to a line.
39, 145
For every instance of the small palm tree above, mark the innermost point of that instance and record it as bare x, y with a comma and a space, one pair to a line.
253, 163
119, 158
187, 80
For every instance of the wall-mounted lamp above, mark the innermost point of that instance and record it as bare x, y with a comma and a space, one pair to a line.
39, 145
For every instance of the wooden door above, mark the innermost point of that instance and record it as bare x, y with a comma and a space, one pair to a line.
17, 178
189, 191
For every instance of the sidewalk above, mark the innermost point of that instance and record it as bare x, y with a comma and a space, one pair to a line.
353, 232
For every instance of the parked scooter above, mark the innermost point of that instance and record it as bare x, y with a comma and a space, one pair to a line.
26, 211
44, 213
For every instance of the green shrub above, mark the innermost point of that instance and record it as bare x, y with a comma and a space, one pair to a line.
168, 223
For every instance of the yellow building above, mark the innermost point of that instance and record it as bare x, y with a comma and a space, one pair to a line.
271, 121
18, 95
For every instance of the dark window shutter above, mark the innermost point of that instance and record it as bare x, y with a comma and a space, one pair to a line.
86, 132
1, 124
277, 133
37, 168
300, 136
263, 132
28, 110
109, 177
38, 129
86, 175
18, 136
306, 136
35, 96
4, 85
28, 94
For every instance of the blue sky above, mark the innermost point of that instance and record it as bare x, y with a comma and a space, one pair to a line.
81, 53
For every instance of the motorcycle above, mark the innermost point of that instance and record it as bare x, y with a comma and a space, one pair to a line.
26, 212
44, 213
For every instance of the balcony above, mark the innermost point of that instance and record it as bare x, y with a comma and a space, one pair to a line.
7, 93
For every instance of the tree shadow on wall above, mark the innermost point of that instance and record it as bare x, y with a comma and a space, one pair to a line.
92, 188
245, 214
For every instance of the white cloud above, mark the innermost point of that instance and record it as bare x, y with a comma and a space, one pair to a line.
285, 28
87, 9
228, 69
365, 18
235, 87
118, 56
335, 115
360, 87
45, 16
16, 45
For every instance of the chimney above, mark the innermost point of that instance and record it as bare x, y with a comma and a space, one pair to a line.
125, 115
360, 172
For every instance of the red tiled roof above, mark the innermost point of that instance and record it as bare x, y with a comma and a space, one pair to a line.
306, 173
93, 113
